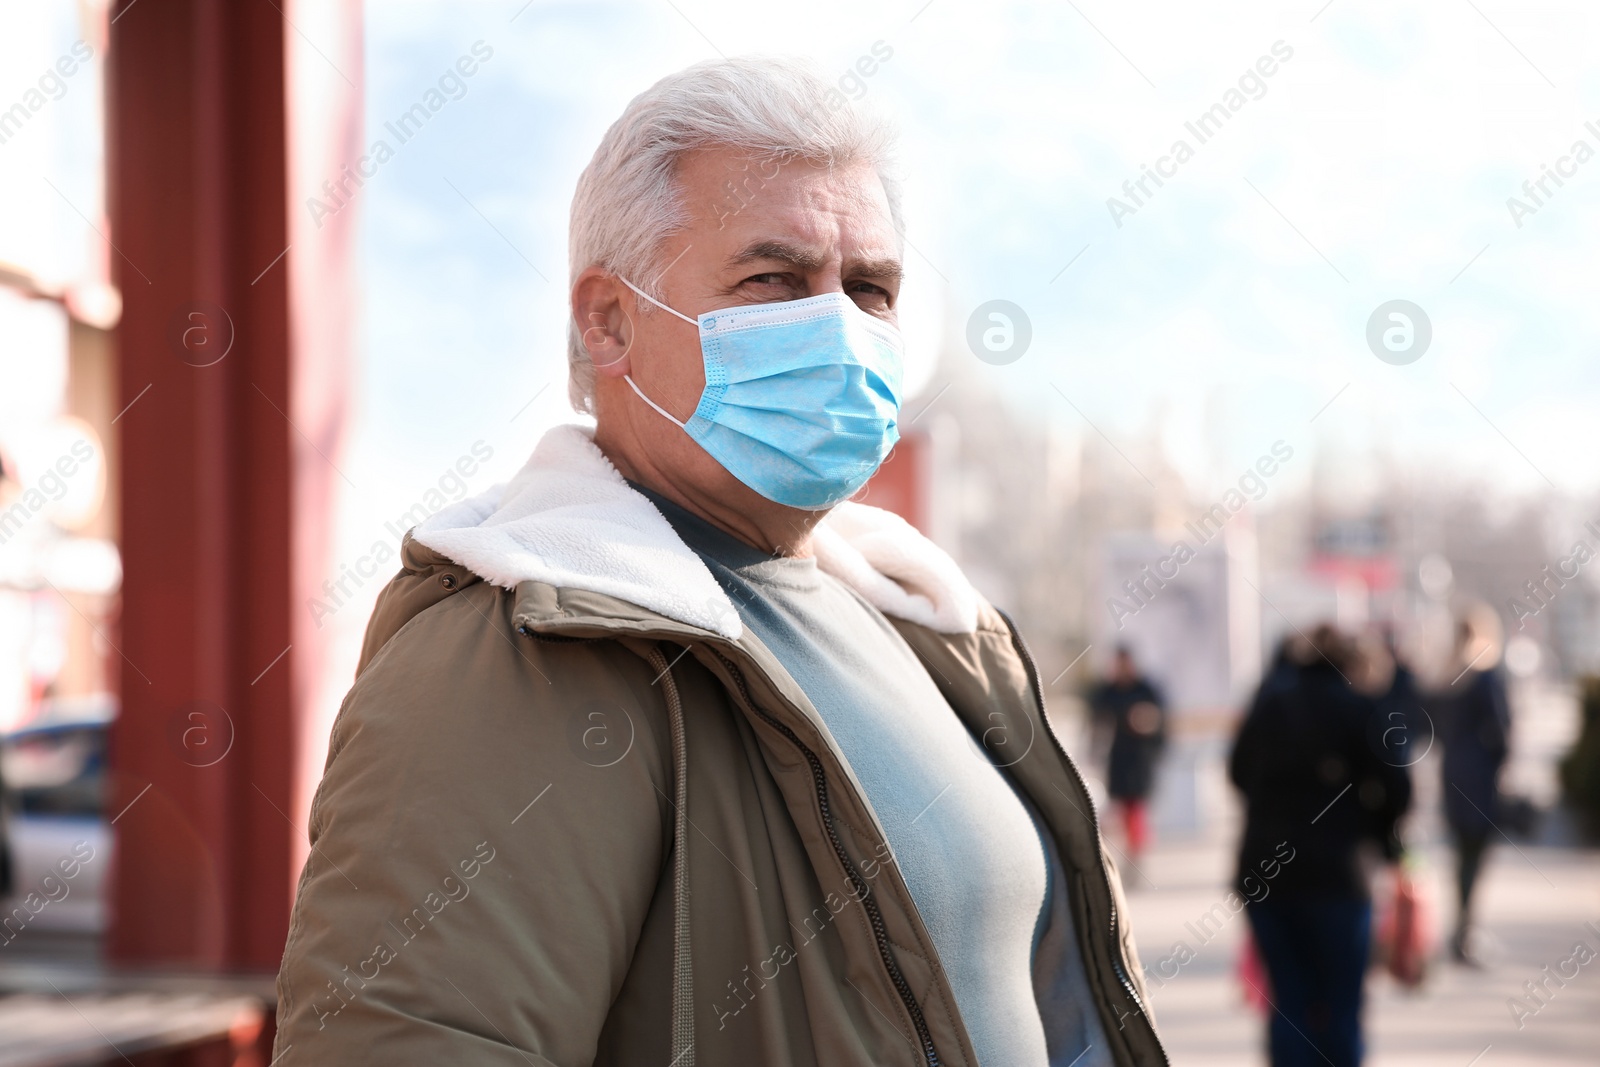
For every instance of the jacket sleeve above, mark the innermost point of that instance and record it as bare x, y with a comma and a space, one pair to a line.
482, 861
1497, 717
1243, 760
1383, 781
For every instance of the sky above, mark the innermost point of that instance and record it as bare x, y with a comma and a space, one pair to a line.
1228, 310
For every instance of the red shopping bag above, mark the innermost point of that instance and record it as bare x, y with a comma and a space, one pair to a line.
1255, 988
1405, 932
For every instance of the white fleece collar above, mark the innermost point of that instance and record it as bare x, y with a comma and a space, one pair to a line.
569, 520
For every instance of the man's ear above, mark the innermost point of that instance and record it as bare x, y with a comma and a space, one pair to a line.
603, 327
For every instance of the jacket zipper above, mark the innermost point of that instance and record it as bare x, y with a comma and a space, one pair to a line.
1094, 817
879, 930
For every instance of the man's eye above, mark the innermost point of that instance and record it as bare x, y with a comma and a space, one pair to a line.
767, 279
865, 294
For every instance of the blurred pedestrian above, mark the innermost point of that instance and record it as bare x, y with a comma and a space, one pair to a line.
1475, 730
1318, 800
1131, 708
1402, 724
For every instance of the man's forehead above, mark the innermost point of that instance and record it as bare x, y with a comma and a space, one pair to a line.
789, 207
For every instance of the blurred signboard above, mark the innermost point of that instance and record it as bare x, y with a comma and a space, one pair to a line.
1356, 550
1190, 618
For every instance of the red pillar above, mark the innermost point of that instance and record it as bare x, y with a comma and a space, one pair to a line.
219, 503
904, 482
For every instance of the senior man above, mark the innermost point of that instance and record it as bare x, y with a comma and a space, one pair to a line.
663, 753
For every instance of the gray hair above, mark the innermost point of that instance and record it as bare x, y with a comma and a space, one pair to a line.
628, 201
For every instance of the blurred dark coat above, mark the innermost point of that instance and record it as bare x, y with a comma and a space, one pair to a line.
1313, 783
1131, 772
1402, 732
1475, 730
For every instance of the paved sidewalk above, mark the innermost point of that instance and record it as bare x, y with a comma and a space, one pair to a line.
1535, 905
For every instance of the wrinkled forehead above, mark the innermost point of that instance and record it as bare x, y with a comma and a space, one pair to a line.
809, 213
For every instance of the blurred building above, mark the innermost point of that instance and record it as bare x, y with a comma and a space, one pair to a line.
174, 353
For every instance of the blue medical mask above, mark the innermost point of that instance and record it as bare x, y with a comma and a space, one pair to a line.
801, 397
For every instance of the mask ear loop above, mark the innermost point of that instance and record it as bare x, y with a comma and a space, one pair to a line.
658, 303
664, 413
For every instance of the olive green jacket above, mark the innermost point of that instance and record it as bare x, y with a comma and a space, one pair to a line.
561, 827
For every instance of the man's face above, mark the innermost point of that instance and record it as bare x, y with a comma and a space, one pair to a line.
758, 233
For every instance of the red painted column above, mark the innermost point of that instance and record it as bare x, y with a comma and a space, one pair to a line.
904, 483
219, 502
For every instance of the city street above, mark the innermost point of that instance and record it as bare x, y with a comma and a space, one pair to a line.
1534, 907
1535, 902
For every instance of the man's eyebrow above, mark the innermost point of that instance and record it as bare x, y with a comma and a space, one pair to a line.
795, 255
875, 268
809, 259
